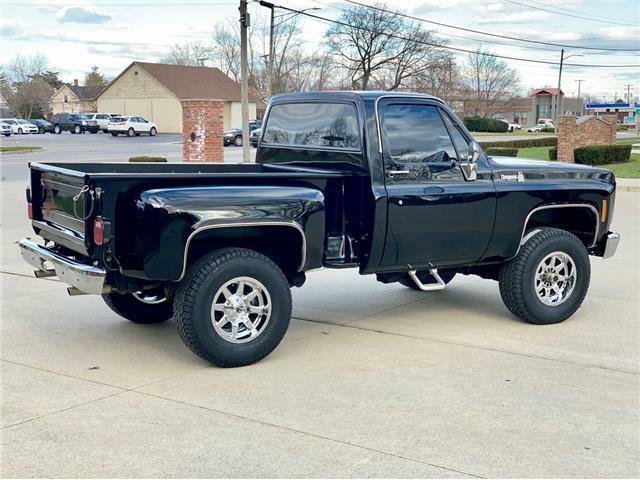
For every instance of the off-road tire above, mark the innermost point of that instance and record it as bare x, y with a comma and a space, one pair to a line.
129, 307
446, 274
517, 284
195, 295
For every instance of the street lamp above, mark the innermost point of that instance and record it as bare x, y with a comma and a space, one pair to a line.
558, 103
271, 29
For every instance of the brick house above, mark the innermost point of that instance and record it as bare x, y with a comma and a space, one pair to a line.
75, 98
156, 91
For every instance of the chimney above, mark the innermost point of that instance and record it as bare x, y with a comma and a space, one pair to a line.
75, 82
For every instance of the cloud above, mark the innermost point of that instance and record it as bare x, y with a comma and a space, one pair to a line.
11, 28
81, 15
427, 6
516, 17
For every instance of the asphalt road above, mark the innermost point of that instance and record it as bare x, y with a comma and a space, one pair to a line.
371, 380
100, 147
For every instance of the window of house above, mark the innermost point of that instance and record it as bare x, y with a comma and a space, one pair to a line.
66, 98
326, 125
415, 135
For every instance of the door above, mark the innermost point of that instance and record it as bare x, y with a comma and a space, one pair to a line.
435, 217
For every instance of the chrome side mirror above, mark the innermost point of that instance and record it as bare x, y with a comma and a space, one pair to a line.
470, 167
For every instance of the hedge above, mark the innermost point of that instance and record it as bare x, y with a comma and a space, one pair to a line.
148, 159
547, 130
530, 142
553, 153
502, 152
602, 154
477, 124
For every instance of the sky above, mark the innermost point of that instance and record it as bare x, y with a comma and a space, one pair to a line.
76, 34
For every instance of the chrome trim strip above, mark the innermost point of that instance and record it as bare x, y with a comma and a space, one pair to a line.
561, 205
613, 239
86, 278
245, 224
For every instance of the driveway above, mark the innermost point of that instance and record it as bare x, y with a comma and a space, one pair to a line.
371, 380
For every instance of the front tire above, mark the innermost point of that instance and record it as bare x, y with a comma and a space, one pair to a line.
153, 131
57, 130
446, 274
233, 307
20, 132
237, 141
77, 129
143, 308
115, 134
548, 279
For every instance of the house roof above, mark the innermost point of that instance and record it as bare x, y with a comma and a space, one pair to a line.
545, 91
86, 93
193, 83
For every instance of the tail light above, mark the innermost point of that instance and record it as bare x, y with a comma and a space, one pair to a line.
29, 204
98, 231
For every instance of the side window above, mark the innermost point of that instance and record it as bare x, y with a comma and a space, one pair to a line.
458, 139
331, 125
415, 135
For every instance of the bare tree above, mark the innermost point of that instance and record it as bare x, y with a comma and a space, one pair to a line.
442, 79
489, 82
191, 53
380, 48
26, 85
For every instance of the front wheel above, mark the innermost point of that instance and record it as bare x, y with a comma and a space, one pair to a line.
233, 307
140, 307
41, 131
20, 132
57, 130
548, 279
237, 141
77, 129
153, 131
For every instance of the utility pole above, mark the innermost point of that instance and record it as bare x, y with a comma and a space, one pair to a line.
271, 53
628, 87
579, 104
244, 81
558, 107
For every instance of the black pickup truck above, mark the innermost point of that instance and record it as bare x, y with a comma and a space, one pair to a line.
389, 183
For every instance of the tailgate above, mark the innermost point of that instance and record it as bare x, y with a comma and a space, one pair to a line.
62, 206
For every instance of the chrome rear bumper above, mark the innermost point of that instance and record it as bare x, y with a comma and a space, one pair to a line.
87, 278
611, 245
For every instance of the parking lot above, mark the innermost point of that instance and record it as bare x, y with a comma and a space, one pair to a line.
371, 380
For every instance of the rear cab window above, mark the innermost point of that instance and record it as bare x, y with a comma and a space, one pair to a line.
314, 125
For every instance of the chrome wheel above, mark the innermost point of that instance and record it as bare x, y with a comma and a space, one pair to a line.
241, 310
149, 298
555, 278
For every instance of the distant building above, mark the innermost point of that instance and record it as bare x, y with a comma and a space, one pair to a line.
75, 98
620, 109
154, 91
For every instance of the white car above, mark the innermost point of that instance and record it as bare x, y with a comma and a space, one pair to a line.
19, 126
102, 119
131, 125
511, 127
5, 129
540, 126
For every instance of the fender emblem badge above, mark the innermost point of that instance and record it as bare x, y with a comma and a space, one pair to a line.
519, 177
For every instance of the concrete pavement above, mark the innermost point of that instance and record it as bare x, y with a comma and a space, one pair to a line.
371, 380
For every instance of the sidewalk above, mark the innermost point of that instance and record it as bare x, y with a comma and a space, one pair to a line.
628, 184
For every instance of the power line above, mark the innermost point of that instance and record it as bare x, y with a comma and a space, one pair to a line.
572, 13
448, 47
493, 42
487, 33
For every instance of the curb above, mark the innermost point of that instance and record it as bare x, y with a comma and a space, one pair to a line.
628, 188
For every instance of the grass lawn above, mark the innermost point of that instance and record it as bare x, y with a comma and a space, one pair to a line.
537, 153
517, 132
18, 149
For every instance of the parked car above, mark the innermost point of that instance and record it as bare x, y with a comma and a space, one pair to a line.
392, 184
102, 119
512, 127
234, 135
539, 126
43, 125
20, 126
5, 129
254, 136
74, 123
131, 126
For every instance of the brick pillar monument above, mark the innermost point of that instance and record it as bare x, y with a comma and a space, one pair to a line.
202, 131
583, 132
